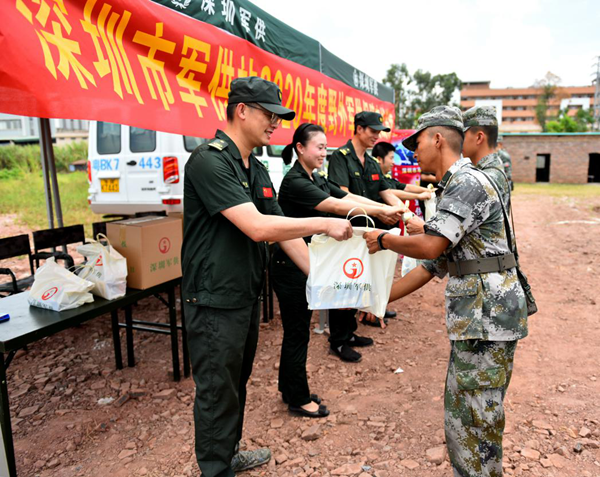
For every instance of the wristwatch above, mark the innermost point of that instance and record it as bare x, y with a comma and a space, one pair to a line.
380, 241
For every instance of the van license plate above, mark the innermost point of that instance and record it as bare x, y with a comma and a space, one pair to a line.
109, 185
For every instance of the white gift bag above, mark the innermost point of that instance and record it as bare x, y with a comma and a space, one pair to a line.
344, 275
58, 289
106, 269
430, 204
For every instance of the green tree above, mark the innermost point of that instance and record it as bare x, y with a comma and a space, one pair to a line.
565, 123
549, 87
419, 93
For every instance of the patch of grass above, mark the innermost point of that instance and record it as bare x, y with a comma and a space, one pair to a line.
23, 194
26, 158
558, 190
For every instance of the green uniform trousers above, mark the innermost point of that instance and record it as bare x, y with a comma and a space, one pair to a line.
289, 283
478, 376
222, 344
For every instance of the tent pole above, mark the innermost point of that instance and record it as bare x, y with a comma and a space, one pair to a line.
53, 177
43, 159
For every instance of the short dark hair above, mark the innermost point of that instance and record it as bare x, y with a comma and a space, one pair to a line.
491, 133
454, 137
302, 135
382, 149
231, 111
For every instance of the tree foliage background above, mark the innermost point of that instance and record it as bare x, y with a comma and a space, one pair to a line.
418, 93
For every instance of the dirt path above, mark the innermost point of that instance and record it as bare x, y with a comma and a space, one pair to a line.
382, 423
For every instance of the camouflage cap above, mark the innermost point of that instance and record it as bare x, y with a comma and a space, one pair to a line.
449, 116
480, 116
252, 89
370, 119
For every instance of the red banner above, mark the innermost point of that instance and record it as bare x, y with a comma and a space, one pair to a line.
138, 63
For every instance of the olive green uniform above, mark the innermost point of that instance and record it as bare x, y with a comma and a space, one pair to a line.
346, 170
298, 197
392, 183
223, 273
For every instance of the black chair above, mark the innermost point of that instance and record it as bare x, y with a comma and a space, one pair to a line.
15, 247
53, 238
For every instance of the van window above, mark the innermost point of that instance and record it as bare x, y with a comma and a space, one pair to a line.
142, 140
258, 151
275, 151
108, 138
190, 143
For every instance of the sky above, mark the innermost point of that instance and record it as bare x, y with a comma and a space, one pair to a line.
511, 43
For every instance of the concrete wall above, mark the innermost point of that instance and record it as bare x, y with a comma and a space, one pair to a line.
569, 156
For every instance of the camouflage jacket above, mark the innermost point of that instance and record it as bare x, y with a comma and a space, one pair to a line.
486, 306
507, 162
492, 166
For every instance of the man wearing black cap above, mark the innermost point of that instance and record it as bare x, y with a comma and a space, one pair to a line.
230, 215
355, 171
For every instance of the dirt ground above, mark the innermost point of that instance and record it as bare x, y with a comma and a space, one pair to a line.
382, 424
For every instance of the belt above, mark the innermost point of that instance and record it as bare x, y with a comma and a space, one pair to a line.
482, 265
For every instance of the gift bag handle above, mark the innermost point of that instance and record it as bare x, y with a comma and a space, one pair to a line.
369, 219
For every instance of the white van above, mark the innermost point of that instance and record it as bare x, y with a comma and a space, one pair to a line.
133, 170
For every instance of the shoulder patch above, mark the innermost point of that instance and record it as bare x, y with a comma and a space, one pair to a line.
344, 151
375, 160
388, 176
323, 174
218, 144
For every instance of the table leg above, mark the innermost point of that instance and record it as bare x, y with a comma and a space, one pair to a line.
8, 465
174, 333
184, 343
114, 317
129, 336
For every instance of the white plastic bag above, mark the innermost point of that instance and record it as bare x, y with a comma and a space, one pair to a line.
106, 269
58, 289
344, 275
430, 204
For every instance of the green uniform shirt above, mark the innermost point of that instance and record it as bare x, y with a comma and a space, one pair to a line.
486, 306
346, 170
299, 195
223, 267
492, 166
392, 183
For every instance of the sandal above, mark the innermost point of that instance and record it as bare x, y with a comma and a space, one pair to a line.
321, 412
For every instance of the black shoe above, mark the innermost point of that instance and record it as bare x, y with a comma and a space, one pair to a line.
313, 398
390, 314
345, 353
376, 324
360, 341
321, 412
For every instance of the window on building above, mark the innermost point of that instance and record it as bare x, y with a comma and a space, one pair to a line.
10, 124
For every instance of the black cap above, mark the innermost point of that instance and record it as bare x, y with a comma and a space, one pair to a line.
370, 119
267, 94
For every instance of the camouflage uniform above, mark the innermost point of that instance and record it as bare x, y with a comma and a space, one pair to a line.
485, 316
507, 163
492, 164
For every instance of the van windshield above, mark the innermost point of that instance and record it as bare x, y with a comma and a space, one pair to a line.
192, 143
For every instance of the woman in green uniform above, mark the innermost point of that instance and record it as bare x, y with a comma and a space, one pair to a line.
305, 193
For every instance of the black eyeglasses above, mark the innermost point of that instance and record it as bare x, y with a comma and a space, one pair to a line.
273, 118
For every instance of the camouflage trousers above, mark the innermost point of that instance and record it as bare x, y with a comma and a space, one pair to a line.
478, 375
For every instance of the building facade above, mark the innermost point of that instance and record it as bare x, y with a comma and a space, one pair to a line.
516, 106
563, 158
24, 130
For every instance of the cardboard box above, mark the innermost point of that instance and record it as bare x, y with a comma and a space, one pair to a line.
152, 247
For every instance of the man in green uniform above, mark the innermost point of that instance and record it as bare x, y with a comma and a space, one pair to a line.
506, 160
485, 304
481, 133
230, 215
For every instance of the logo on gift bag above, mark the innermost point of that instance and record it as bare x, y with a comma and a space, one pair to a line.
353, 268
49, 293
164, 245
99, 261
